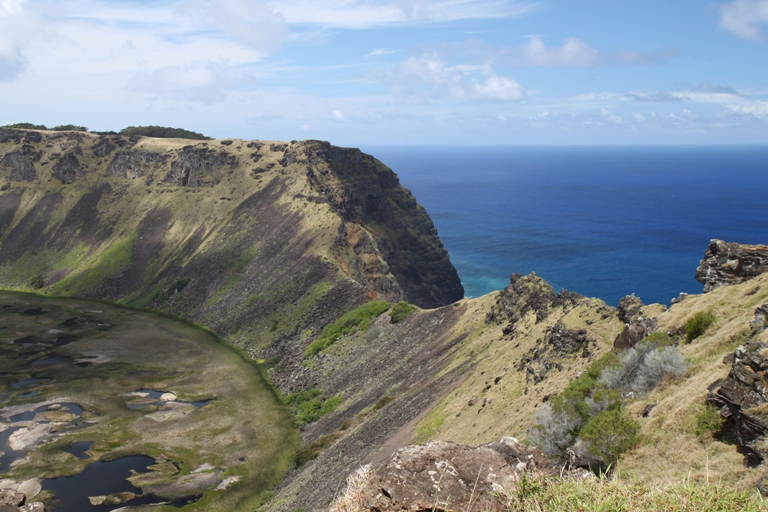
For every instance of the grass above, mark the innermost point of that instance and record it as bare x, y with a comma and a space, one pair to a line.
537, 493
356, 320
311, 405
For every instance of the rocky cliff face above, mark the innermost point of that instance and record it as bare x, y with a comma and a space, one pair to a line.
743, 396
221, 232
731, 263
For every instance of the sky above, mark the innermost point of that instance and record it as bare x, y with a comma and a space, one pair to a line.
362, 72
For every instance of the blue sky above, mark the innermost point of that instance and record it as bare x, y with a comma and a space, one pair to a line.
362, 72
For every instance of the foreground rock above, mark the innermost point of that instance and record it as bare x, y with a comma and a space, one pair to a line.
12, 500
731, 263
743, 396
441, 476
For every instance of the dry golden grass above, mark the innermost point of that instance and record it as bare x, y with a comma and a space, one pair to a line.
670, 449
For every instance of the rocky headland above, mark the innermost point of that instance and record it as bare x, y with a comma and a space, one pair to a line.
317, 263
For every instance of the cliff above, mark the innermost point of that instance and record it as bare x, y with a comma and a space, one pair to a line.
242, 236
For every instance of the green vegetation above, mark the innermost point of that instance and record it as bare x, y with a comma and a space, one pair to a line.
162, 132
698, 324
26, 126
610, 433
311, 405
111, 262
356, 320
69, 128
430, 424
709, 423
36, 281
401, 311
60, 128
145, 131
590, 409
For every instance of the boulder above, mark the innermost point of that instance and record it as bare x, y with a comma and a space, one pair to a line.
730, 263
441, 476
12, 500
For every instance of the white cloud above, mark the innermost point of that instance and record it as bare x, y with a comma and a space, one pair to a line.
427, 78
10, 8
756, 109
200, 81
573, 52
20, 29
367, 13
497, 88
252, 23
381, 51
743, 18
337, 115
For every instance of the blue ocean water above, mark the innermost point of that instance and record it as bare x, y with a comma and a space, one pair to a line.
603, 221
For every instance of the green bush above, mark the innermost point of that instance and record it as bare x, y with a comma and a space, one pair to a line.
311, 405
609, 434
36, 281
356, 320
401, 311
698, 324
69, 128
162, 132
26, 126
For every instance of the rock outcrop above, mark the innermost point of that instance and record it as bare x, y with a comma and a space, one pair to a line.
743, 396
12, 500
731, 263
636, 326
441, 476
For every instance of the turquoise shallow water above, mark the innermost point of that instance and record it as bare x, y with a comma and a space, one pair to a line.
603, 221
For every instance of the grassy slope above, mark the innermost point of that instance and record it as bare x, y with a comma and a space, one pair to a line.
670, 449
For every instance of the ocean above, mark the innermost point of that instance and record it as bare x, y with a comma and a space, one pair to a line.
602, 221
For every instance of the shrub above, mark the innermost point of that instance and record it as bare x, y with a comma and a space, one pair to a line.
26, 126
698, 324
36, 281
401, 311
356, 320
69, 128
311, 405
554, 430
643, 366
610, 434
162, 132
